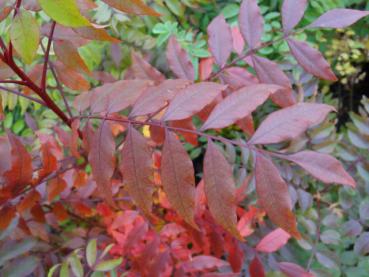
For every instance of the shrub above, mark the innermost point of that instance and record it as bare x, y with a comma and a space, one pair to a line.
111, 188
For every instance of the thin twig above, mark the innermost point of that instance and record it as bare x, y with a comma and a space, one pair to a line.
59, 85
21, 83
23, 95
47, 54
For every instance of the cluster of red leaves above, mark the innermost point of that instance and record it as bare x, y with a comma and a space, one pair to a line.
142, 191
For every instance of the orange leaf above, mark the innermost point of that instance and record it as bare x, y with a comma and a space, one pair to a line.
60, 212
6, 214
132, 7
178, 178
55, 186
80, 178
220, 189
136, 168
71, 78
82, 209
274, 196
49, 162
92, 33
38, 213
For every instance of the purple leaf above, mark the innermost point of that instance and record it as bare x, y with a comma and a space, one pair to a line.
192, 100
251, 23
292, 13
338, 18
294, 270
220, 40
178, 60
269, 73
311, 60
239, 105
289, 123
323, 167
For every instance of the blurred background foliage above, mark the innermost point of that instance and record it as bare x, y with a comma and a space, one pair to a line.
340, 223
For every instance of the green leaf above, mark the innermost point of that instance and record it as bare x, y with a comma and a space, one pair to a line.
108, 265
64, 12
25, 35
52, 270
76, 266
106, 251
91, 252
64, 271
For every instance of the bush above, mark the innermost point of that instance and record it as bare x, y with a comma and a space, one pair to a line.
103, 181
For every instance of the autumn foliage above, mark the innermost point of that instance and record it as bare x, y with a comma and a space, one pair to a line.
114, 169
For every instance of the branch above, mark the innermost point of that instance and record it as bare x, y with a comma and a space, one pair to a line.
47, 54
160, 124
23, 95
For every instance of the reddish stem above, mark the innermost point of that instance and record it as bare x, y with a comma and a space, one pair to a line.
47, 54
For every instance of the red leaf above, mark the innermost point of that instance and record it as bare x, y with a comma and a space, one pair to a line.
179, 61
136, 168
188, 125
178, 178
201, 263
29, 201
311, 60
294, 270
155, 98
239, 105
289, 123
251, 23
274, 241
20, 173
322, 166
102, 160
7, 214
256, 268
132, 7
338, 18
54, 187
238, 41
205, 68
274, 196
191, 100
269, 73
220, 40
143, 70
220, 189
292, 13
